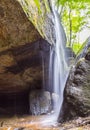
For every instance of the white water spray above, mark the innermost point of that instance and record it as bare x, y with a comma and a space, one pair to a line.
58, 69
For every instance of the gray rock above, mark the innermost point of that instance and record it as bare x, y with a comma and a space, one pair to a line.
77, 92
40, 102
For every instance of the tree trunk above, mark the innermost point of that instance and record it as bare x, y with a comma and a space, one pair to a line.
70, 21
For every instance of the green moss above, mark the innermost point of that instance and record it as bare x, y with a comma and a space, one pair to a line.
36, 12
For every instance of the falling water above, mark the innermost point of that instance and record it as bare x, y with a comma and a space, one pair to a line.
58, 69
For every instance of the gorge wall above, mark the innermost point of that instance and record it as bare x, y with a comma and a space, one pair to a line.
21, 50
77, 91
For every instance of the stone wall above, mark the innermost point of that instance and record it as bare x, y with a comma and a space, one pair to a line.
77, 91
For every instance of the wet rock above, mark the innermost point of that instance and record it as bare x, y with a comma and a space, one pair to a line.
70, 56
55, 99
69, 52
77, 92
40, 102
37, 123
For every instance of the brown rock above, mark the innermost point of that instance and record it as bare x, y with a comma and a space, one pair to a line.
21, 51
15, 32
15, 28
21, 68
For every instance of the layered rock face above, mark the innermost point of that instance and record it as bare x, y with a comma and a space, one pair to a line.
77, 93
21, 52
21, 67
16, 36
22, 71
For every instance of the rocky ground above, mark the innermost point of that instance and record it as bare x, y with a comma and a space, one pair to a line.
37, 123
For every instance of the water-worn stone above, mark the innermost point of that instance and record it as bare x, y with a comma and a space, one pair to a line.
77, 92
40, 102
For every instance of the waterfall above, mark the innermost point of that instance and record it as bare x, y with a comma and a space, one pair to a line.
58, 69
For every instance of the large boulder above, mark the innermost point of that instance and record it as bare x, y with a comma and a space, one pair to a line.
77, 92
40, 102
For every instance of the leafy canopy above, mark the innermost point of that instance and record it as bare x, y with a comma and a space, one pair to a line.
75, 15
70, 1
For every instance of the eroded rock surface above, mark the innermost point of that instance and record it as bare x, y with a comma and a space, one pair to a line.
15, 28
21, 52
20, 55
27, 70
40, 102
77, 93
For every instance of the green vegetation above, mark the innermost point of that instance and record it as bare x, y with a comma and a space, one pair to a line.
38, 4
76, 47
36, 11
75, 15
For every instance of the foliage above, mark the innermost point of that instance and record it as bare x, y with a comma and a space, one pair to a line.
70, 1
75, 16
76, 47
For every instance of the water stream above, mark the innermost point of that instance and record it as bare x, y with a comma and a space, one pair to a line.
57, 75
58, 69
